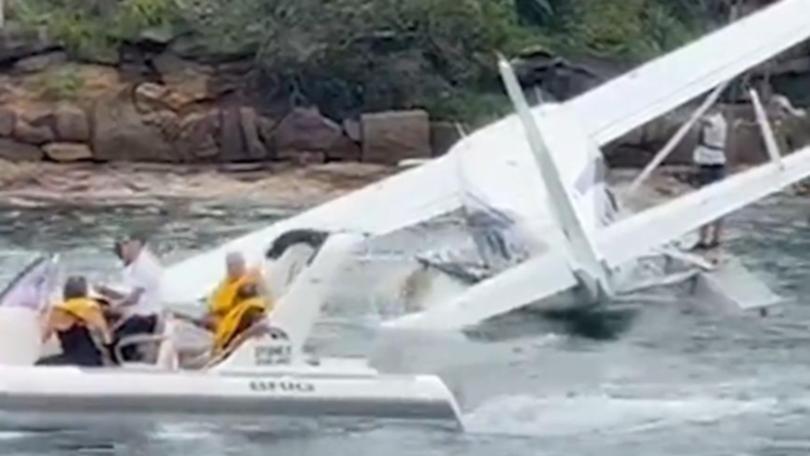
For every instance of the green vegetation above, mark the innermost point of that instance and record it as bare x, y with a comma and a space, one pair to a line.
64, 83
354, 55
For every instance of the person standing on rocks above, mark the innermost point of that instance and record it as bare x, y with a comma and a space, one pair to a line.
710, 160
140, 305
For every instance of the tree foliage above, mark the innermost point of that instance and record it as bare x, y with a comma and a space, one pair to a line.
353, 55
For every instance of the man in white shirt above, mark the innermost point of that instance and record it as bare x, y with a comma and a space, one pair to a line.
140, 305
710, 159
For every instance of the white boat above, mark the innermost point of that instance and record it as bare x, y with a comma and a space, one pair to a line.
266, 374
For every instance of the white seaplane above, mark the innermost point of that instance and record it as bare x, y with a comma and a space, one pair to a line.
265, 373
551, 226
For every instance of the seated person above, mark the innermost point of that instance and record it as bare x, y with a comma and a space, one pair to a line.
73, 320
249, 308
222, 299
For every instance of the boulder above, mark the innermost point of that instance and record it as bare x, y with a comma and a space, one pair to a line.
32, 134
305, 129
188, 79
231, 139
71, 124
151, 97
40, 62
255, 149
390, 137
345, 149
18, 152
197, 139
121, 134
17, 41
443, 135
351, 128
267, 133
7, 120
64, 152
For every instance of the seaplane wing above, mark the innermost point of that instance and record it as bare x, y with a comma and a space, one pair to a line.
550, 274
637, 235
627, 102
406, 199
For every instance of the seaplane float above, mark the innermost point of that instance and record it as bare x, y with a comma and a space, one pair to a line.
266, 372
547, 230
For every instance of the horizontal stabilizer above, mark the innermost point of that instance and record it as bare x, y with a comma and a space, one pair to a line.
519, 286
627, 102
641, 233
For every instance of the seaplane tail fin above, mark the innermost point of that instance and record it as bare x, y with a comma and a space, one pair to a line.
640, 233
538, 278
629, 101
296, 311
561, 154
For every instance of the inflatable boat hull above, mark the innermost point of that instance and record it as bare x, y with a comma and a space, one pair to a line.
76, 392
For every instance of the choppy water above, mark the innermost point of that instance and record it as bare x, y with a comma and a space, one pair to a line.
661, 381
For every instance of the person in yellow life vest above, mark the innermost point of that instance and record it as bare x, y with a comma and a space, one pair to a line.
73, 320
223, 298
249, 308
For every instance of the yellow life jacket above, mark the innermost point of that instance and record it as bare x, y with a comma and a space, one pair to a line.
233, 322
83, 309
222, 300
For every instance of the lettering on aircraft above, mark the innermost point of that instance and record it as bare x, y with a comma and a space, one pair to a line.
281, 386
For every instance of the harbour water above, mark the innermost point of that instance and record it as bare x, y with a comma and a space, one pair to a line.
667, 379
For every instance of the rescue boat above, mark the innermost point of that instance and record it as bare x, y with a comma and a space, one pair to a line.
266, 373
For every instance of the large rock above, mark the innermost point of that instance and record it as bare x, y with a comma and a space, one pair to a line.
18, 41
231, 139
345, 149
37, 135
17, 152
120, 133
305, 129
255, 149
390, 137
151, 97
184, 76
7, 120
40, 62
197, 139
71, 124
443, 135
64, 152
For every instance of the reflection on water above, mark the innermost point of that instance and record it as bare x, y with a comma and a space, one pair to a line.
658, 381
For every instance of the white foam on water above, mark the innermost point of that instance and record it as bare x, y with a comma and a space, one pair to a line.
567, 416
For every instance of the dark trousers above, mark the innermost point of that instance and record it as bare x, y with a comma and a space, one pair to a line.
136, 324
72, 359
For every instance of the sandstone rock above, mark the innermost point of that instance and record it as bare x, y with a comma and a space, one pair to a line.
231, 140
150, 97
32, 134
71, 124
305, 158
18, 152
305, 129
18, 41
351, 128
121, 134
197, 139
68, 152
250, 134
390, 137
186, 78
40, 62
443, 135
267, 133
167, 121
345, 149
7, 120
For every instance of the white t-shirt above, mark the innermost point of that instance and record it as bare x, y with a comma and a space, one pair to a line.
711, 149
147, 273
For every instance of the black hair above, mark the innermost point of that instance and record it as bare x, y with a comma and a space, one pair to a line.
75, 287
